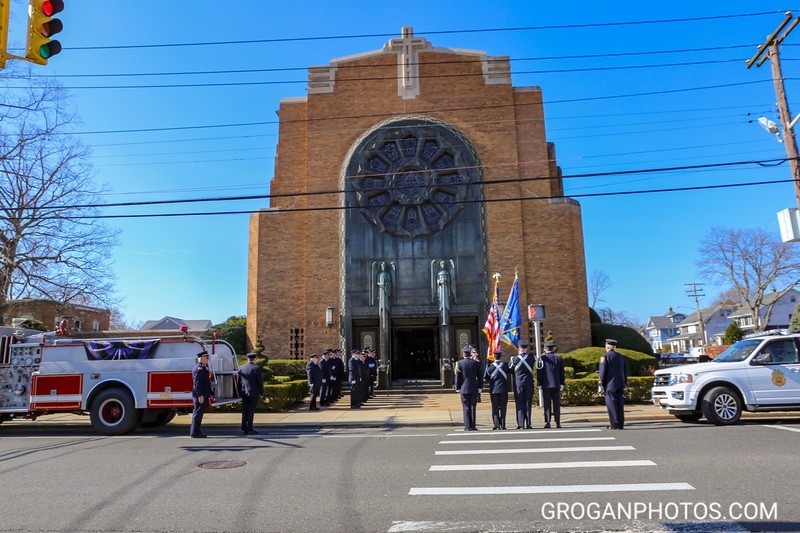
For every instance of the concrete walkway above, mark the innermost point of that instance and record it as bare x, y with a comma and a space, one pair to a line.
409, 410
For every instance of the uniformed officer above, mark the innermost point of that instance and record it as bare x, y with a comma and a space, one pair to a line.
522, 367
251, 388
314, 376
372, 372
477, 357
355, 370
325, 366
550, 375
338, 376
201, 394
497, 376
614, 381
468, 382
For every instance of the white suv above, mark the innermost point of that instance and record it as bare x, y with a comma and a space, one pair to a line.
755, 374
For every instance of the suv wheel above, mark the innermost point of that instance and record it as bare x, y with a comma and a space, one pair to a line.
722, 406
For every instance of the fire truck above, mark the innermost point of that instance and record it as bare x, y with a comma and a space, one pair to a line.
122, 383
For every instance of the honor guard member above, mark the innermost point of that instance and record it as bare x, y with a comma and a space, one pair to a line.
550, 375
468, 382
355, 370
314, 376
251, 388
325, 366
372, 367
522, 367
338, 365
614, 382
497, 376
477, 357
201, 394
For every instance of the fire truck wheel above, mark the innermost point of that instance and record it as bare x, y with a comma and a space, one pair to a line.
112, 412
162, 418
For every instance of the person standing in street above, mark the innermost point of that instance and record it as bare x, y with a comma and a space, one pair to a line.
551, 377
201, 394
355, 371
522, 367
325, 366
251, 389
614, 382
497, 376
314, 376
468, 383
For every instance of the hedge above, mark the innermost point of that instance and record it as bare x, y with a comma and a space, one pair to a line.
289, 367
627, 337
588, 360
584, 391
283, 395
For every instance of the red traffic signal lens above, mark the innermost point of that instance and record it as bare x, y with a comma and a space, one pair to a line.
51, 7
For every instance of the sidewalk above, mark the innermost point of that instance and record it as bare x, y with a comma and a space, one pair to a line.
413, 410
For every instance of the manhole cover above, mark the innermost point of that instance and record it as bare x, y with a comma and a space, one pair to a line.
218, 465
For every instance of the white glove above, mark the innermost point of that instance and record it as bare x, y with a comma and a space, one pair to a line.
324, 380
561, 388
599, 388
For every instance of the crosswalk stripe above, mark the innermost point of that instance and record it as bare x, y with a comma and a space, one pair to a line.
783, 427
456, 526
498, 441
537, 450
537, 466
462, 433
549, 489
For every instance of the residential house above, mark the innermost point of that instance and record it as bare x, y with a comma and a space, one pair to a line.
660, 329
172, 323
51, 313
715, 320
781, 315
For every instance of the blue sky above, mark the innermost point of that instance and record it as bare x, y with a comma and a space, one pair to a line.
701, 110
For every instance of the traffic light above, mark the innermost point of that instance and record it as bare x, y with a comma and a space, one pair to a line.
41, 28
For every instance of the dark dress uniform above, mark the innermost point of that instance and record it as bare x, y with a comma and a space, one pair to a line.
614, 381
337, 375
356, 371
372, 371
324, 392
251, 388
314, 376
522, 366
551, 377
469, 382
201, 388
497, 376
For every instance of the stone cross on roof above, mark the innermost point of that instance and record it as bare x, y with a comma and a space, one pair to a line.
408, 61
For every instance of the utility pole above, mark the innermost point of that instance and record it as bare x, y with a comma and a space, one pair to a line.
770, 46
696, 292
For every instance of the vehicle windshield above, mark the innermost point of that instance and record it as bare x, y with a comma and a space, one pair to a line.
738, 352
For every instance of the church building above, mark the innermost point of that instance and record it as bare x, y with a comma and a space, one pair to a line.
404, 180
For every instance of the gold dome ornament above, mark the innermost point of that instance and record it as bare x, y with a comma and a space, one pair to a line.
778, 378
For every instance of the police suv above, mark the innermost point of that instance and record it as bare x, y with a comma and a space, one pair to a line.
760, 373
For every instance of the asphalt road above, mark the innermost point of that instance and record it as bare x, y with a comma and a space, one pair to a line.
653, 476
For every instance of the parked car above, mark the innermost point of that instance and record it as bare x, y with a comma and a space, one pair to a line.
756, 374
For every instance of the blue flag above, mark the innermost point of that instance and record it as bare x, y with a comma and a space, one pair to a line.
511, 323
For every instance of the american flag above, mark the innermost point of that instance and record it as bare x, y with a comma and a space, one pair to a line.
492, 326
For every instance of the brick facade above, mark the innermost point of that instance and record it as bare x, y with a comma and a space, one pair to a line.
294, 267
50, 313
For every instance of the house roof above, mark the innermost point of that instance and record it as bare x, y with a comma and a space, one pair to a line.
708, 313
664, 321
170, 322
768, 299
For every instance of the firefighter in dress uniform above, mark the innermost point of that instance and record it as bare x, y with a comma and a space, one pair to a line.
251, 388
325, 388
614, 382
314, 376
522, 367
201, 394
497, 376
356, 372
551, 377
469, 381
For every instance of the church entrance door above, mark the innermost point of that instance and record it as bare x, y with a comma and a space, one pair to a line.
416, 353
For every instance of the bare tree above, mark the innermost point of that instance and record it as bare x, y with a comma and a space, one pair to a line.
754, 261
599, 282
51, 243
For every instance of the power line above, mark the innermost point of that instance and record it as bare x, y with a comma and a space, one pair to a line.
766, 162
439, 32
348, 207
